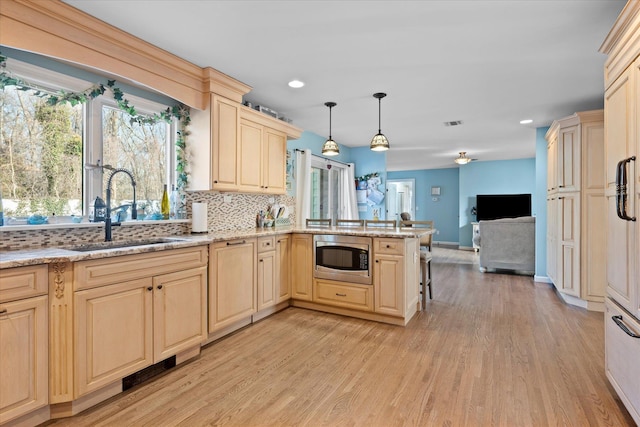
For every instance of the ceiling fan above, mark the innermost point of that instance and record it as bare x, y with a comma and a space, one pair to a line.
462, 159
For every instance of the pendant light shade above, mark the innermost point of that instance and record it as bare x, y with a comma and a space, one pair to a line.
462, 159
330, 148
379, 141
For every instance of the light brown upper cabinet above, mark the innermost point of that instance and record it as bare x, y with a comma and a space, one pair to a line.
236, 148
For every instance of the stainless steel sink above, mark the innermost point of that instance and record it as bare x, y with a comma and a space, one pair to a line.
89, 247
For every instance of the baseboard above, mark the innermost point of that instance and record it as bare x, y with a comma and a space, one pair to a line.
448, 244
465, 248
541, 279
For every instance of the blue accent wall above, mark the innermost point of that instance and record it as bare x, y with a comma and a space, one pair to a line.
313, 142
444, 210
493, 177
540, 204
367, 162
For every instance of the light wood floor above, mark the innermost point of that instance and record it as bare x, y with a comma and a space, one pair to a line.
490, 350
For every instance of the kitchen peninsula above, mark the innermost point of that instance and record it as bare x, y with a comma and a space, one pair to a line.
172, 295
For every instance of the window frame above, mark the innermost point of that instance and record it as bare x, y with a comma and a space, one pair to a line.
339, 169
93, 145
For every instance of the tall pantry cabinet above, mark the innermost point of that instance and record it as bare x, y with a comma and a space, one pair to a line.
575, 208
622, 172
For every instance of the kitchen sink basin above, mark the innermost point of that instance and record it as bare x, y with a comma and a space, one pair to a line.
89, 247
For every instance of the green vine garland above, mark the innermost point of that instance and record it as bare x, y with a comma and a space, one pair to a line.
180, 112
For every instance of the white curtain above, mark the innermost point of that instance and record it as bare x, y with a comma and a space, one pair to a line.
348, 192
303, 186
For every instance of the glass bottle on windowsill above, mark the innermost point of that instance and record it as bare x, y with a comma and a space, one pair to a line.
164, 204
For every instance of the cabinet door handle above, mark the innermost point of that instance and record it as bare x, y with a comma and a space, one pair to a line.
236, 243
621, 325
150, 288
376, 260
622, 189
215, 182
159, 286
341, 295
260, 260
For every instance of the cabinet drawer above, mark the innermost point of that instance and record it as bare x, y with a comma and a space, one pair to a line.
23, 282
341, 294
388, 246
267, 243
622, 353
99, 272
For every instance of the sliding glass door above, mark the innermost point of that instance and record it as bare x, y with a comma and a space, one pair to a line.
326, 185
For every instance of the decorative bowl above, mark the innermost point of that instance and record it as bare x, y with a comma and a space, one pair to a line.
36, 220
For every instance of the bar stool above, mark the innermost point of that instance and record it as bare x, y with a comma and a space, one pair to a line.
425, 257
425, 270
349, 222
380, 223
318, 222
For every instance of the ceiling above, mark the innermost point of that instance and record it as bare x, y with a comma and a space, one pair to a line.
489, 64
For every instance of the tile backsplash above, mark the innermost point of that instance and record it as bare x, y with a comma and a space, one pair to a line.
234, 211
226, 211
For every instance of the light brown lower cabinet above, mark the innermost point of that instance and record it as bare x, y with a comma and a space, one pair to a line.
267, 272
283, 268
114, 333
302, 267
395, 276
346, 295
232, 282
24, 343
24, 382
133, 311
125, 327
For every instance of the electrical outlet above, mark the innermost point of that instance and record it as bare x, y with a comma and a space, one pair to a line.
227, 199
272, 200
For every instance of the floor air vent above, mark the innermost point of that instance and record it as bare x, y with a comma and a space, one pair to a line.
148, 373
454, 123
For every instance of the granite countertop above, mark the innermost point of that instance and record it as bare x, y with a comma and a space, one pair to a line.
47, 255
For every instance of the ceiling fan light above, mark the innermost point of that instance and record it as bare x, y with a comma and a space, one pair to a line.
462, 159
330, 148
379, 143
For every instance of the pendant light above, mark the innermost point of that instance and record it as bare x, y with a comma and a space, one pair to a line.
330, 148
462, 159
379, 141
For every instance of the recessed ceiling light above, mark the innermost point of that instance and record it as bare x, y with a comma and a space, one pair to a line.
526, 121
296, 84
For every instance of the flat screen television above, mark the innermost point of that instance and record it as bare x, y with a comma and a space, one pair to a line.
495, 206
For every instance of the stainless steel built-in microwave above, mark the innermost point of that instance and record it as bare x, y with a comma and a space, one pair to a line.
343, 258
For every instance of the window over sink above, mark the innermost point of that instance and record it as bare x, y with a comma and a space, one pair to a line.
44, 148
